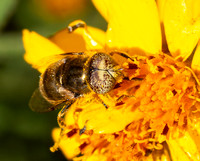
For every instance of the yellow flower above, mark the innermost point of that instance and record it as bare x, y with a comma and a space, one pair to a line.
153, 112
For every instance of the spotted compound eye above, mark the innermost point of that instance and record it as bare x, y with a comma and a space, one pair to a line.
102, 73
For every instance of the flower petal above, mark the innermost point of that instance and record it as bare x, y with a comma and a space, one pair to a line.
69, 146
81, 39
132, 24
95, 157
78, 41
37, 48
183, 148
101, 120
196, 59
182, 26
161, 5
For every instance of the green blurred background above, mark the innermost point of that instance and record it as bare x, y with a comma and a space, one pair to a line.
25, 135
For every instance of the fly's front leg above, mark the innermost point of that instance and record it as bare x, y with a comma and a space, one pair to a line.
123, 55
75, 25
105, 99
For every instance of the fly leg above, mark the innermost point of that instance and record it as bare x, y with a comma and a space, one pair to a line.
62, 124
79, 24
123, 55
61, 115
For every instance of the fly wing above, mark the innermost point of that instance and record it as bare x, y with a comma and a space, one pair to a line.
44, 62
38, 103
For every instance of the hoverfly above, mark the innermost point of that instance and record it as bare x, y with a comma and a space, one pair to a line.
74, 75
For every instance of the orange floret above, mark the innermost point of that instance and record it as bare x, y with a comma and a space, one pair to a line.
156, 96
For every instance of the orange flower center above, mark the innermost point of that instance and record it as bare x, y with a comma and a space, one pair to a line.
161, 88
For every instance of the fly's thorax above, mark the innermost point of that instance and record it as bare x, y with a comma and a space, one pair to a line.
103, 73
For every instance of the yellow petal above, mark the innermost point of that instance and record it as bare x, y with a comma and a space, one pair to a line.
69, 146
103, 7
132, 24
95, 157
196, 59
194, 128
161, 5
101, 120
37, 48
81, 39
184, 148
182, 26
